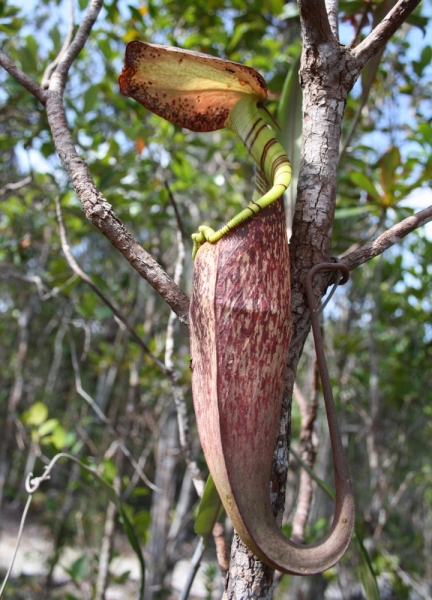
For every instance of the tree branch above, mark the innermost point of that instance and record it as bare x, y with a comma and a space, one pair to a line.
181, 407
379, 36
387, 239
314, 22
30, 85
83, 275
59, 77
100, 213
15, 185
97, 209
67, 41
332, 7
308, 413
101, 415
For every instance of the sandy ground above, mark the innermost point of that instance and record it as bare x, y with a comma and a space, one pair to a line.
36, 547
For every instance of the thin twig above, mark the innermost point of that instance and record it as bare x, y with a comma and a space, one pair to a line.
58, 79
78, 271
18, 541
362, 22
182, 415
96, 208
67, 41
30, 85
100, 213
155, 433
308, 413
15, 185
379, 36
80, 390
177, 215
387, 239
195, 564
394, 502
6, 272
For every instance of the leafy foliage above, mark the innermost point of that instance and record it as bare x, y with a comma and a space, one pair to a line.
57, 335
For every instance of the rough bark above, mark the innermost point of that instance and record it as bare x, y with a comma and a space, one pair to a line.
328, 72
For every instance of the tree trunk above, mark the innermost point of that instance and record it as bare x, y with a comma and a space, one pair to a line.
166, 461
328, 71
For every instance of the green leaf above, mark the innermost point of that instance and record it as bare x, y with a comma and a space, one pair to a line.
363, 182
426, 56
388, 163
418, 21
47, 427
141, 521
275, 6
110, 470
290, 119
140, 491
32, 45
133, 540
351, 7
208, 510
28, 55
13, 27
90, 98
58, 437
238, 33
136, 13
36, 414
105, 47
122, 578
181, 168
79, 568
367, 574
355, 211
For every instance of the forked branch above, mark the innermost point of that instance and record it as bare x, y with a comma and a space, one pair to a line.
59, 77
